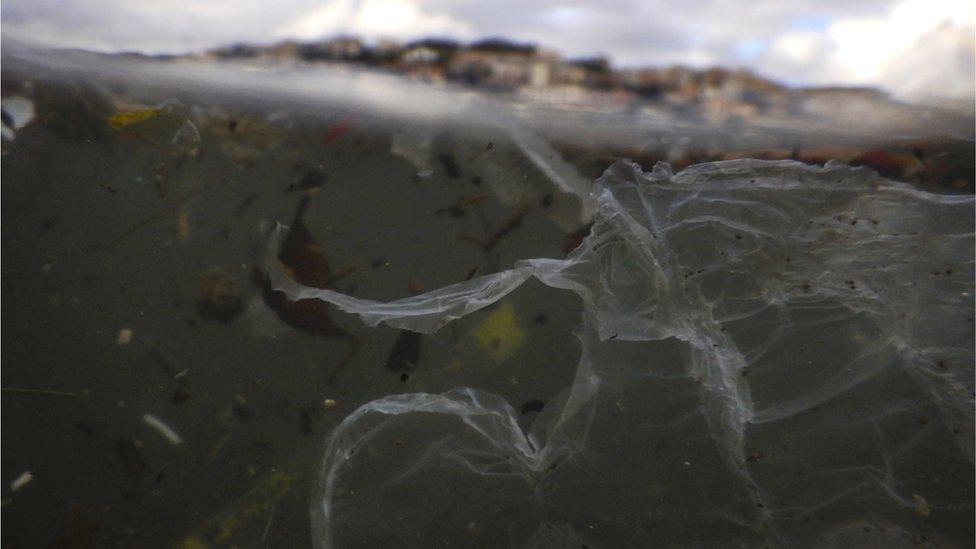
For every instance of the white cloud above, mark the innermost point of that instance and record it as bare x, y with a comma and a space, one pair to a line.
321, 21
914, 45
937, 67
375, 19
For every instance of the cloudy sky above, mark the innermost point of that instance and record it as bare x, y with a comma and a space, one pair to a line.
913, 48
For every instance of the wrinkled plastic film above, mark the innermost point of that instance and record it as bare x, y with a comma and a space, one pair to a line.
423, 313
769, 352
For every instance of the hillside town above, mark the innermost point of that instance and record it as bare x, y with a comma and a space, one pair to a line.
529, 73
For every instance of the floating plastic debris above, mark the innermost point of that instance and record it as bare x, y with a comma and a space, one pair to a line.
765, 327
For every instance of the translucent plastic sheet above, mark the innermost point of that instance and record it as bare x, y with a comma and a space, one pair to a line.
772, 353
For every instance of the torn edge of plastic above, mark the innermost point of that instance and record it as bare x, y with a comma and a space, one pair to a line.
423, 313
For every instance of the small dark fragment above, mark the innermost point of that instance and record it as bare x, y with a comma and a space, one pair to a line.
574, 239
180, 396
47, 224
7, 119
240, 409
540, 318
472, 239
262, 442
163, 362
132, 462
471, 272
490, 146
80, 530
942, 364
313, 178
450, 165
378, 262
245, 204
306, 417
415, 287
406, 352
335, 131
107, 188
459, 208
476, 179
510, 223
85, 428
547, 200
232, 125
754, 457
534, 405
404, 377
218, 297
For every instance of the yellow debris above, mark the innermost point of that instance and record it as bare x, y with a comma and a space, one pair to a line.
122, 119
183, 225
124, 337
499, 334
256, 504
922, 508
191, 542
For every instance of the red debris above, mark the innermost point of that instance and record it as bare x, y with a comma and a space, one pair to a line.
336, 131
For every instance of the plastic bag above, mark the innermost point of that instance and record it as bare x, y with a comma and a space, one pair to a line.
772, 353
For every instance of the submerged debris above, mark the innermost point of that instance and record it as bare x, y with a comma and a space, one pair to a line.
180, 396
131, 457
534, 405
313, 179
80, 530
405, 354
85, 428
124, 337
509, 224
500, 334
21, 481
335, 131
451, 168
922, 508
218, 297
44, 392
304, 259
459, 208
166, 431
124, 118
